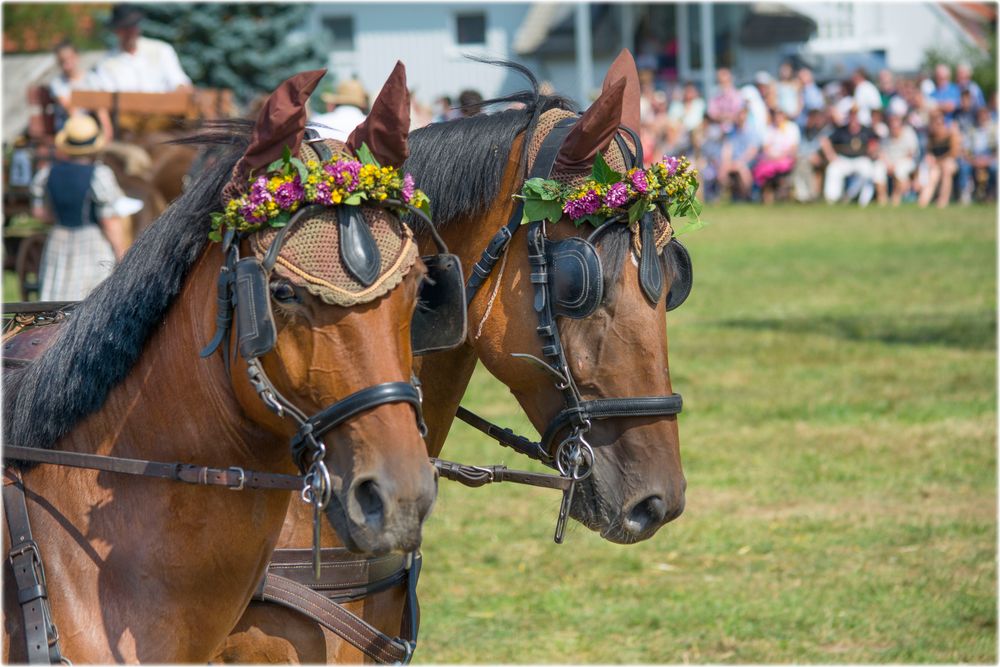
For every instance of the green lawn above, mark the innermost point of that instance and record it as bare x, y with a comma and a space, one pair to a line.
839, 441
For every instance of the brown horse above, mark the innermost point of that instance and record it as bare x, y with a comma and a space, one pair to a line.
150, 570
637, 484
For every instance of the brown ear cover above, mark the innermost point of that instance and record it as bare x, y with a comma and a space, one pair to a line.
387, 127
624, 68
594, 131
281, 122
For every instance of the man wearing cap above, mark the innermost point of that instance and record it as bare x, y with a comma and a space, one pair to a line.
138, 64
345, 110
84, 201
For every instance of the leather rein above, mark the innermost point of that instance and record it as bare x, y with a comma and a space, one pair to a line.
573, 456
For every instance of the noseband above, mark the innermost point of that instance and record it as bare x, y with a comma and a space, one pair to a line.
568, 281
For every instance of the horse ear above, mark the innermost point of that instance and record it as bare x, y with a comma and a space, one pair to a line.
624, 68
593, 132
281, 122
387, 127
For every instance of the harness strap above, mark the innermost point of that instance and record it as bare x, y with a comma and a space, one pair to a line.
606, 408
40, 632
233, 478
356, 631
504, 436
476, 476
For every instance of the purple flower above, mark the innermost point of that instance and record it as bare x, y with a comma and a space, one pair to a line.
249, 212
344, 172
289, 193
258, 192
323, 193
671, 164
639, 181
408, 188
616, 196
585, 205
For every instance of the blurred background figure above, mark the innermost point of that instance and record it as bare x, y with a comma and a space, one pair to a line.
346, 108
467, 101
739, 149
777, 155
807, 175
945, 94
940, 164
137, 64
848, 154
897, 160
727, 101
71, 76
689, 109
789, 91
443, 110
83, 200
977, 170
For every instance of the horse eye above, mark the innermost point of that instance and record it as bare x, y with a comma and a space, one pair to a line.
283, 292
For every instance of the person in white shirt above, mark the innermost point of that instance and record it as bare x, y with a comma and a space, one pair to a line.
897, 160
866, 96
138, 64
345, 109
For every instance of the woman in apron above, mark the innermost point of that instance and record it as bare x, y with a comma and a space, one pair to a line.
79, 195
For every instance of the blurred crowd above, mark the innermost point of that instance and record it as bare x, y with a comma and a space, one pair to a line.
891, 139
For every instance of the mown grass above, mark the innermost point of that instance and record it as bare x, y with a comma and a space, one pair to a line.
839, 440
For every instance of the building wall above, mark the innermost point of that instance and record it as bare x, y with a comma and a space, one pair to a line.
905, 31
423, 37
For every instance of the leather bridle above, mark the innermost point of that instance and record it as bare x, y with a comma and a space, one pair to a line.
573, 455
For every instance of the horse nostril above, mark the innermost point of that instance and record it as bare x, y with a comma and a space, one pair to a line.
370, 502
646, 514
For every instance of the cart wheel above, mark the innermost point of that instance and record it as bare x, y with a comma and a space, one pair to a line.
28, 265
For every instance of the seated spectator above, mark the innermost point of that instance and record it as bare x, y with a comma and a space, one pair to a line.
777, 157
688, 110
965, 114
346, 108
739, 149
137, 64
807, 175
963, 79
788, 90
812, 96
71, 77
886, 87
945, 95
676, 140
940, 163
80, 196
727, 102
977, 170
866, 96
897, 160
708, 141
848, 151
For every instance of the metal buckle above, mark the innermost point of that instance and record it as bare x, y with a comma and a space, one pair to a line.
243, 478
21, 550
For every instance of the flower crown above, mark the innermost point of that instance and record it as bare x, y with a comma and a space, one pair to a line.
290, 183
671, 183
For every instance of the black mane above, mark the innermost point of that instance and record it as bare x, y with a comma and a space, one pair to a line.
460, 163
105, 335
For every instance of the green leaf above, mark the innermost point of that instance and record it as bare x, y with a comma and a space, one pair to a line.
276, 165
286, 154
544, 189
281, 219
425, 206
539, 209
300, 167
602, 173
355, 199
215, 235
594, 220
365, 155
694, 226
637, 210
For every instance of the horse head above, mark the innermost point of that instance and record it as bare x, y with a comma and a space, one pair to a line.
323, 306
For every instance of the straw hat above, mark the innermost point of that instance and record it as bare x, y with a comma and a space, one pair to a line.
80, 136
349, 91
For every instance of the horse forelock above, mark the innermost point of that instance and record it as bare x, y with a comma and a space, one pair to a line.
104, 337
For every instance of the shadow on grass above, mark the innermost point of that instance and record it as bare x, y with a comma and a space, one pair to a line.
970, 330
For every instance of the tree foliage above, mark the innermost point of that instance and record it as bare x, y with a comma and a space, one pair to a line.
37, 27
249, 48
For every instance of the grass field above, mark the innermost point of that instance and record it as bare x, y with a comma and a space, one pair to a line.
839, 441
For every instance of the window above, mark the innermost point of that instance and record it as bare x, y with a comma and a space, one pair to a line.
341, 32
470, 29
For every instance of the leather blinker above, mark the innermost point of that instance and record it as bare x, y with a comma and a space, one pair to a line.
358, 250
680, 286
577, 282
439, 322
254, 320
650, 271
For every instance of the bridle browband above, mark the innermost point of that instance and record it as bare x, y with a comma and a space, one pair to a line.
573, 455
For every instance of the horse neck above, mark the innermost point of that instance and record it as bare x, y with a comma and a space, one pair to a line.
174, 405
